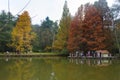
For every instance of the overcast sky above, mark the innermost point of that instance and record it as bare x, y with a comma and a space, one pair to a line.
40, 9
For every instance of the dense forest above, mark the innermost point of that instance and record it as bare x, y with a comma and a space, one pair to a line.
93, 27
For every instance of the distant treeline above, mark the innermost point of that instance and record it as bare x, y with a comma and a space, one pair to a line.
93, 27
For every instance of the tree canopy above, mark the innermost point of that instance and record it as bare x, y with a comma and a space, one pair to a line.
86, 32
21, 34
60, 42
6, 25
45, 35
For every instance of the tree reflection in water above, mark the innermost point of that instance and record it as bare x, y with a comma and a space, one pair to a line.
59, 69
20, 70
90, 62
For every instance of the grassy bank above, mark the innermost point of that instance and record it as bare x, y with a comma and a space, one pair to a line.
46, 54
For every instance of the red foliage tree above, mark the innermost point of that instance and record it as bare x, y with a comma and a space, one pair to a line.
74, 32
86, 31
93, 31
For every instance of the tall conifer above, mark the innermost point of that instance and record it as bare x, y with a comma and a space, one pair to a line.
21, 34
62, 37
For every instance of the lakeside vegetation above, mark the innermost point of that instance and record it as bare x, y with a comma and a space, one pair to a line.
93, 27
33, 54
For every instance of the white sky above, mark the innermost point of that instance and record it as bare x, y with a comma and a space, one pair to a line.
40, 9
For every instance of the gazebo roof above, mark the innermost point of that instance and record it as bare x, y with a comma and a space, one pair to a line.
103, 51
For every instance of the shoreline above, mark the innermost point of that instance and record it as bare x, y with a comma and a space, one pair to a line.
33, 55
52, 55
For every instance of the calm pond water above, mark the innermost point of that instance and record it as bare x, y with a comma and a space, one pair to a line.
58, 69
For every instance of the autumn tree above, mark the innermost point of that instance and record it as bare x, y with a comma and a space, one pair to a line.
75, 33
21, 34
86, 32
93, 34
60, 42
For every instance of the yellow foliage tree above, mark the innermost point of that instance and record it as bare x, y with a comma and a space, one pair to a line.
61, 40
22, 34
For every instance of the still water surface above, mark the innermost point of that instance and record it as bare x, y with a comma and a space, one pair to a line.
58, 69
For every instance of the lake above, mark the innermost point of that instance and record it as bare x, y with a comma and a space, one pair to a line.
58, 69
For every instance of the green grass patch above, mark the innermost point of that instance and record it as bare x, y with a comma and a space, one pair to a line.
34, 54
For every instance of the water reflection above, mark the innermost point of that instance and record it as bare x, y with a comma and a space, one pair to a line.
6, 59
90, 62
20, 70
59, 69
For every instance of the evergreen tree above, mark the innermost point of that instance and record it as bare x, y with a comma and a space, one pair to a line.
45, 35
116, 24
107, 17
21, 34
7, 22
105, 13
60, 42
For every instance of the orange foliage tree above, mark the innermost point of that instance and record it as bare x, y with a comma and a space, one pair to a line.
93, 33
75, 31
86, 32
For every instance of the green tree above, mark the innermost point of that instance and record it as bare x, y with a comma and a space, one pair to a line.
60, 42
105, 13
21, 34
45, 35
35, 43
106, 17
7, 22
116, 23
116, 9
